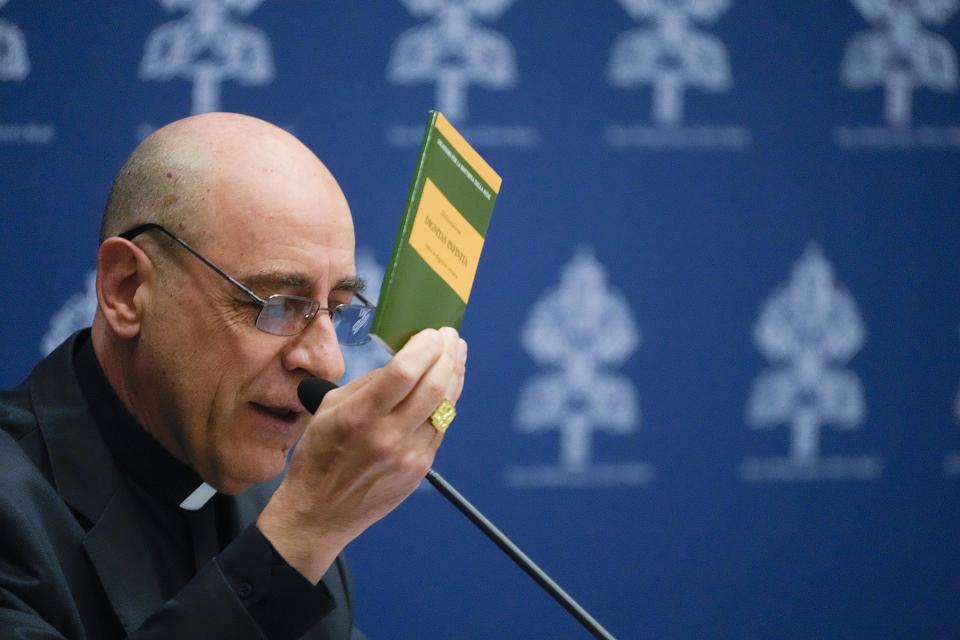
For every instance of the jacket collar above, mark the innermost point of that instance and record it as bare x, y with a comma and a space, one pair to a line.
87, 478
83, 470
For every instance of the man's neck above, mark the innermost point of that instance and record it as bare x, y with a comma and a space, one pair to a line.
117, 359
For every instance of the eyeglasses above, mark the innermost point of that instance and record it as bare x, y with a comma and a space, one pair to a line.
285, 315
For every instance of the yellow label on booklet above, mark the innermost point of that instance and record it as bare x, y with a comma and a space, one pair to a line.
446, 241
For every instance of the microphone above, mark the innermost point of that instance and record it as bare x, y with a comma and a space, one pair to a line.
311, 392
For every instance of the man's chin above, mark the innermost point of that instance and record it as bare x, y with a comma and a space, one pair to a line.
253, 469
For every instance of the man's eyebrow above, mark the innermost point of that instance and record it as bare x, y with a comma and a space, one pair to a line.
352, 283
269, 281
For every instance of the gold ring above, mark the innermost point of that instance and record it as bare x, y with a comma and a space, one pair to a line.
442, 416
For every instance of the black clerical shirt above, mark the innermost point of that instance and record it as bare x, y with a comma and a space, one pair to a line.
282, 602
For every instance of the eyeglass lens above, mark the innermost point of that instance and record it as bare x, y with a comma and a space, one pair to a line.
289, 315
352, 323
284, 315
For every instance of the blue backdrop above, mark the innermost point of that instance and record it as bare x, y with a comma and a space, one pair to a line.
713, 383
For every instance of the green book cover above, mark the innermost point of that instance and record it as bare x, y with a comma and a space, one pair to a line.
434, 261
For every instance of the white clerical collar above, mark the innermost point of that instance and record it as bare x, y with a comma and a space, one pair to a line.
200, 496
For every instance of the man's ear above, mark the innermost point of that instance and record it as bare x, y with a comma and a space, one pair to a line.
122, 270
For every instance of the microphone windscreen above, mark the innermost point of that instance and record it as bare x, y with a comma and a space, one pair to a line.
311, 392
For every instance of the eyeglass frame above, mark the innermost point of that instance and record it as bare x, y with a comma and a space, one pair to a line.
132, 233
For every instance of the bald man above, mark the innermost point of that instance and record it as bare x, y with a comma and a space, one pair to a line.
142, 484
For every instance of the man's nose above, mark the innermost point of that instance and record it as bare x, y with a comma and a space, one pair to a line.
316, 350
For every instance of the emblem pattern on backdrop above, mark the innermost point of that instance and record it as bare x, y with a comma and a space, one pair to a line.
365, 358
951, 462
672, 55
809, 329
207, 47
580, 391
75, 314
15, 67
454, 51
14, 62
900, 55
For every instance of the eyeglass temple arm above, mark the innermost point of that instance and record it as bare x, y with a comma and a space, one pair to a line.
362, 298
133, 233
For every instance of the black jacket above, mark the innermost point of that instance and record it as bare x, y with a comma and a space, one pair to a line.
73, 559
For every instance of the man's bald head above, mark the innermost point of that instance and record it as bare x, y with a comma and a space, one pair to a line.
160, 182
169, 179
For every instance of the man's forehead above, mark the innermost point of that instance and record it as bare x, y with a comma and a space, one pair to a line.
283, 222
260, 226
276, 191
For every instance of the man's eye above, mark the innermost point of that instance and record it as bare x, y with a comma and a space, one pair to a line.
245, 305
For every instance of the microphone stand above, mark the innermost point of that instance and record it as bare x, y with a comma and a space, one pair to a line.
311, 392
519, 557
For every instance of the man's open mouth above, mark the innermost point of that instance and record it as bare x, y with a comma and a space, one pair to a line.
283, 413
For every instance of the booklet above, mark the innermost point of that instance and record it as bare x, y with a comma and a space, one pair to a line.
434, 261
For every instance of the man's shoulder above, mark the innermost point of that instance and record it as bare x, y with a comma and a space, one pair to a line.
17, 417
24, 463
47, 404
42, 558
34, 517
22, 450
20, 411
32, 513
52, 374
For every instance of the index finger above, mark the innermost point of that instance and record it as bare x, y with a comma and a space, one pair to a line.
398, 377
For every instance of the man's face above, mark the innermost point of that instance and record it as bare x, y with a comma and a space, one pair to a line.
225, 393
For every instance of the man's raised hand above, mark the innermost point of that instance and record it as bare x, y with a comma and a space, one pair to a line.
366, 449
